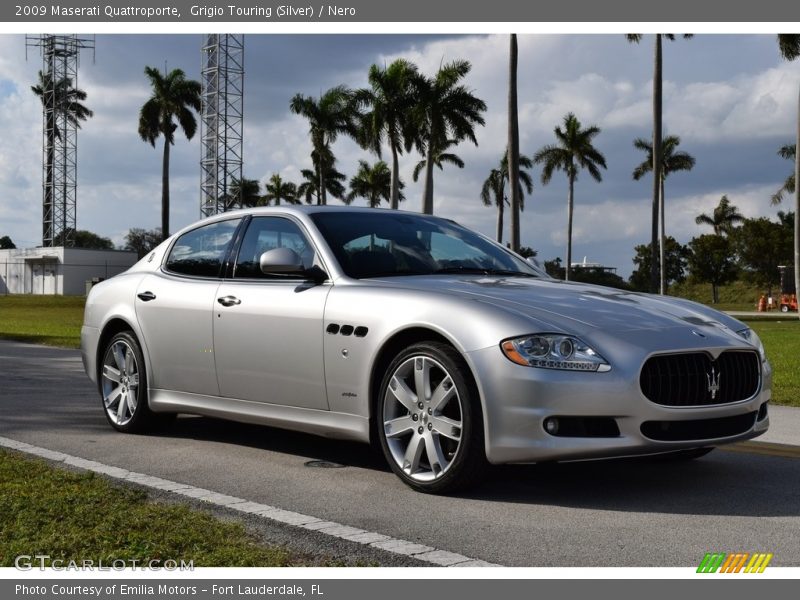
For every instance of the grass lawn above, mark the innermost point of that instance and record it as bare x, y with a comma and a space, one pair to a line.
56, 321
739, 295
782, 343
77, 516
51, 320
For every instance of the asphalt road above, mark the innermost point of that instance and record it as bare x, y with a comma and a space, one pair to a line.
614, 513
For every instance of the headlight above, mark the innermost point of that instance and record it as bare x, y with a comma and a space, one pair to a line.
553, 351
752, 337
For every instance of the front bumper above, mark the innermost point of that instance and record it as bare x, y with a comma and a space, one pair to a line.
517, 400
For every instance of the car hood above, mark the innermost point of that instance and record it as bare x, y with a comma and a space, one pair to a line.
573, 307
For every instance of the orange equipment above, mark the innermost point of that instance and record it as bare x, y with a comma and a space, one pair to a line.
762, 303
788, 302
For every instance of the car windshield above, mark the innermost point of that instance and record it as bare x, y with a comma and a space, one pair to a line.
387, 243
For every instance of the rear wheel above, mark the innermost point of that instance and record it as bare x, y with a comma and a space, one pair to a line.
123, 385
429, 420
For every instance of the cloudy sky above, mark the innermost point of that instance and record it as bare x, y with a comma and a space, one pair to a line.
731, 99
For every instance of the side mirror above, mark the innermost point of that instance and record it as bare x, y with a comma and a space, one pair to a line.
281, 261
531, 260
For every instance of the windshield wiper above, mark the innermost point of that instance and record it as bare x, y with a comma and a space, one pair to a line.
483, 271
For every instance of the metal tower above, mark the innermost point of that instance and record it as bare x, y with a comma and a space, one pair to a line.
221, 120
60, 58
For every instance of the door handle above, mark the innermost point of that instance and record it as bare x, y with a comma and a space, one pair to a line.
229, 301
146, 296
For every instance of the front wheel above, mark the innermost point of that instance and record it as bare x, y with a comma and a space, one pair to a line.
123, 385
429, 420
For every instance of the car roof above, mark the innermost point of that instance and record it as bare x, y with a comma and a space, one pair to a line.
313, 208
304, 210
301, 211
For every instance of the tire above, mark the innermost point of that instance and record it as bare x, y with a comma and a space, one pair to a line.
123, 386
434, 444
683, 455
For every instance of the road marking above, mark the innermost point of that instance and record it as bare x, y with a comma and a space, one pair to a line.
434, 556
764, 448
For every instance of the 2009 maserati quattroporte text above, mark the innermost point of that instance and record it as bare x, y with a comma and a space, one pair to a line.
447, 349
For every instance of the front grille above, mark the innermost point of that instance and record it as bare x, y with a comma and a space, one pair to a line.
694, 379
700, 429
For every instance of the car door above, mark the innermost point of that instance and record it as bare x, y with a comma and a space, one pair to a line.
268, 329
175, 309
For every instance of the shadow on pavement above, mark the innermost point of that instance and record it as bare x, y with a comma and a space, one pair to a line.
721, 483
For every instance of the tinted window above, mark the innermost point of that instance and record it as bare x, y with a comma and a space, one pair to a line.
200, 252
267, 233
388, 243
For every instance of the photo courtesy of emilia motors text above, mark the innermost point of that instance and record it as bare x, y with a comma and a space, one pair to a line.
399, 299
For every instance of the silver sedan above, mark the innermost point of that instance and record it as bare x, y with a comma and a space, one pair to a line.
415, 333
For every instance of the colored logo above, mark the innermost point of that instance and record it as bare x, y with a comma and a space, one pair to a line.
736, 562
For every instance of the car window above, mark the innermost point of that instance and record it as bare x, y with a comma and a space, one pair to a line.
267, 233
391, 243
200, 252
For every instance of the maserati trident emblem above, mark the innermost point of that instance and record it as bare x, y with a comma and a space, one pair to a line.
713, 382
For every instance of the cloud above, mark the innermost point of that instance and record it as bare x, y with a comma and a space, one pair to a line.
20, 145
748, 106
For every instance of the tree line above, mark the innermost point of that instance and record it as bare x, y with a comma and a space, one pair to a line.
738, 248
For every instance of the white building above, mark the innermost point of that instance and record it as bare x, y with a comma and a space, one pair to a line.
592, 266
59, 270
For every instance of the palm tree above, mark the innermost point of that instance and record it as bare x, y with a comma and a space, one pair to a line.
446, 111
671, 160
723, 219
789, 46
277, 189
244, 192
174, 97
389, 102
65, 100
514, 159
440, 157
572, 152
493, 192
309, 187
789, 152
334, 113
635, 38
373, 182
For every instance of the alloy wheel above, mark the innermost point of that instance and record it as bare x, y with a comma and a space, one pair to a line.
120, 382
422, 418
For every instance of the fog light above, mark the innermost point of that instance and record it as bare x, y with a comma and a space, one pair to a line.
551, 425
